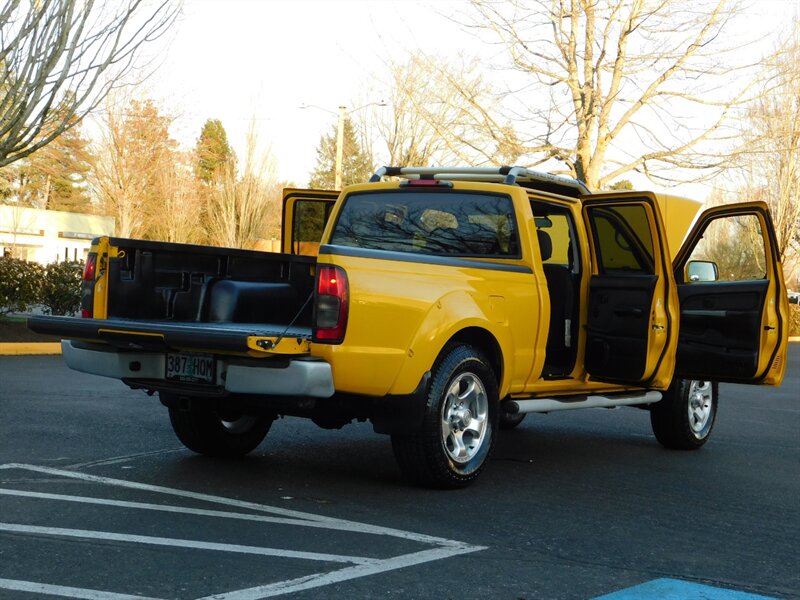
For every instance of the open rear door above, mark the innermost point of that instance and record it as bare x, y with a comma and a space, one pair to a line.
305, 214
633, 307
734, 312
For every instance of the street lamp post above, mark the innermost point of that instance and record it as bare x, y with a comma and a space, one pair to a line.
343, 112
339, 149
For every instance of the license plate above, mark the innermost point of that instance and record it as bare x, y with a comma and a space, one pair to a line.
197, 368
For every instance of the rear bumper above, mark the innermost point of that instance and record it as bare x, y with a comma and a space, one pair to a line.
300, 377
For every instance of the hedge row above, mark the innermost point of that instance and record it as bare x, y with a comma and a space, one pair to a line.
56, 287
794, 314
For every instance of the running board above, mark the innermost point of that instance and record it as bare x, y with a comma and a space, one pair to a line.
544, 405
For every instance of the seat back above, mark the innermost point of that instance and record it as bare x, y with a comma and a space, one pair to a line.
561, 290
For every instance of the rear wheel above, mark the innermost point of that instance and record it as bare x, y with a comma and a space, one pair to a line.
205, 431
460, 420
684, 418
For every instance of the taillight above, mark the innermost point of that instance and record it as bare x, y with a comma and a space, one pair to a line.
331, 305
87, 286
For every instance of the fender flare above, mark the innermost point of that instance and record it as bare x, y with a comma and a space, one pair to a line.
456, 314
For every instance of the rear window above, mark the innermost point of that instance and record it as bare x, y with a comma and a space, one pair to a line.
448, 223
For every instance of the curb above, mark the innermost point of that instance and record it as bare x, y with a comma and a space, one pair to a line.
29, 348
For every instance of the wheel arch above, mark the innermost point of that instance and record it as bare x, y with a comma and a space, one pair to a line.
484, 341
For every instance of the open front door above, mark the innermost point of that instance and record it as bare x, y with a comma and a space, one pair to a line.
305, 214
734, 313
632, 305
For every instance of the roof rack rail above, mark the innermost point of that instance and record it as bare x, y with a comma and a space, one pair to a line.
521, 176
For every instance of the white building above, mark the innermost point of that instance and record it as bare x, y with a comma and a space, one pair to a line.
46, 236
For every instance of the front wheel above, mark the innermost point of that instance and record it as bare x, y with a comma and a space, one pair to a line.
510, 420
205, 431
684, 418
460, 419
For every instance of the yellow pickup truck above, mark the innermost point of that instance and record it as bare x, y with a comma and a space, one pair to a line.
443, 305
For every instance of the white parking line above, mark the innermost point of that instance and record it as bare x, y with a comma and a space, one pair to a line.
359, 566
170, 509
64, 591
307, 518
321, 579
180, 543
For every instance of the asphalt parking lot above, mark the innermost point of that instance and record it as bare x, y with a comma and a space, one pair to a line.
99, 500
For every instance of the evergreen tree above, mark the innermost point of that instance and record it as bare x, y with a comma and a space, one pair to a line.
213, 151
357, 164
6, 184
55, 176
622, 185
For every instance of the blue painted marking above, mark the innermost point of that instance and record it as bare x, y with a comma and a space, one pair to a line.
674, 589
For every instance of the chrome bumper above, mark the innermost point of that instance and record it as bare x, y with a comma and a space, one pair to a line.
301, 377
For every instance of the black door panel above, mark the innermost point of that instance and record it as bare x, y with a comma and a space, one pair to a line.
618, 326
720, 329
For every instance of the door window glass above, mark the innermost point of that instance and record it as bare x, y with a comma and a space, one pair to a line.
623, 239
310, 217
735, 244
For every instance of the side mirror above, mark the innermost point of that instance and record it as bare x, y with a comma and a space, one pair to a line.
701, 270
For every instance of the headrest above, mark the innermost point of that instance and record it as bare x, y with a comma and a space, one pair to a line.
545, 244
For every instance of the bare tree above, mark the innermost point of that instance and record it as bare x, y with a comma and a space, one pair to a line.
17, 221
243, 204
444, 111
132, 157
60, 58
176, 214
770, 168
407, 124
605, 87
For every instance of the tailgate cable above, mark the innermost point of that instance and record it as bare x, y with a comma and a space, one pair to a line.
269, 344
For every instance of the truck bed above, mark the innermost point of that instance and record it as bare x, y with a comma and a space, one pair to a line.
164, 296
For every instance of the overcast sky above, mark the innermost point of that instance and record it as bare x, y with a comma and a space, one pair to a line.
235, 60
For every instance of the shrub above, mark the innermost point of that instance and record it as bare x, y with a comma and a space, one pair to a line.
61, 288
20, 283
794, 318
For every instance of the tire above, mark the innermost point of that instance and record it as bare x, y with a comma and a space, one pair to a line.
684, 418
204, 431
459, 424
510, 420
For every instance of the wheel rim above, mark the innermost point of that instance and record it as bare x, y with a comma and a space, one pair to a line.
701, 406
465, 417
239, 425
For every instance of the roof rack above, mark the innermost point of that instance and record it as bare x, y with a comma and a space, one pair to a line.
509, 175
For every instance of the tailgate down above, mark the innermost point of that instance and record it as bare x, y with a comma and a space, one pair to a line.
245, 338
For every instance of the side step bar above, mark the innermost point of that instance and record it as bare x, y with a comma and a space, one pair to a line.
544, 405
